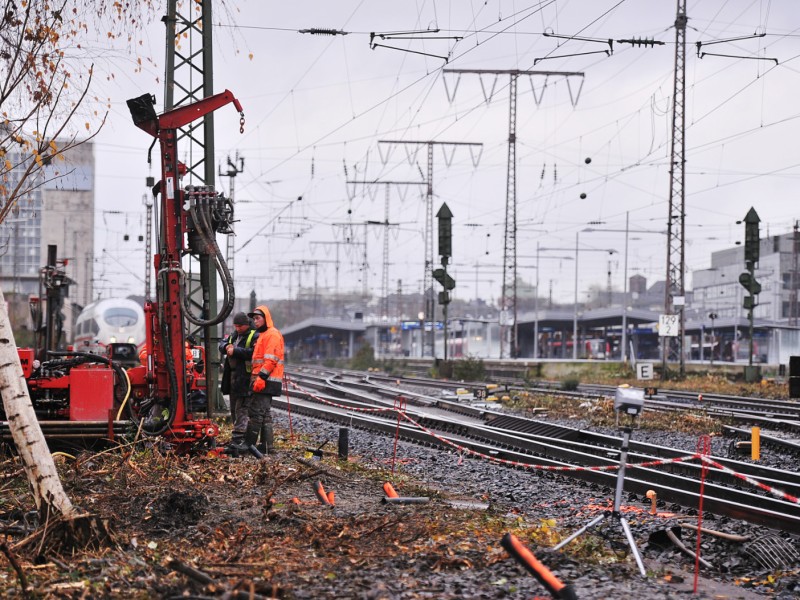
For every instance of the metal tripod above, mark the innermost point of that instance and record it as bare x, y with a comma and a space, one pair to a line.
615, 512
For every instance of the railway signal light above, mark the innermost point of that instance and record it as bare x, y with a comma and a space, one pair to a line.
752, 239
440, 275
750, 284
445, 231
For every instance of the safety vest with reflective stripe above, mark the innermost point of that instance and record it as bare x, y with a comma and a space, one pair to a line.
248, 364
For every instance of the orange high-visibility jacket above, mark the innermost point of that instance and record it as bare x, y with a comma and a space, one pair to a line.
268, 351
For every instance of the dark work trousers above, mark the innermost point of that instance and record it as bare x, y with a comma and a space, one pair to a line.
260, 411
240, 409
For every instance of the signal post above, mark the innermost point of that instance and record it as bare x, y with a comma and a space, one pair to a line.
445, 218
752, 243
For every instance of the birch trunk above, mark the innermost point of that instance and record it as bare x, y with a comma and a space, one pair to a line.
48, 493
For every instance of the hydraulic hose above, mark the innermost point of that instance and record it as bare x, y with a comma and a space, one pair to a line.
220, 264
87, 357
219, 260
124, 402
205, 231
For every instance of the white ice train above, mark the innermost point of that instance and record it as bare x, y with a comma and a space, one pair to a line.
113, 320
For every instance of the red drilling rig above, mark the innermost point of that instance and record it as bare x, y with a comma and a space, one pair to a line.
190, 218
78, 394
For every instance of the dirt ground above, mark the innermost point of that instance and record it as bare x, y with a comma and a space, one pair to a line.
203, 527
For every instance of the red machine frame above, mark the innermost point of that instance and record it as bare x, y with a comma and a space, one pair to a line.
163, 378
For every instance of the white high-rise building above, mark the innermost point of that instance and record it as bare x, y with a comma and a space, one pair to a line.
59, 210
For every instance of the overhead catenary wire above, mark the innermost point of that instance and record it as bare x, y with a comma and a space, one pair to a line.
651, 163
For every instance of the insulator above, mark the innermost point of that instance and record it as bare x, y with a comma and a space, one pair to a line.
318, 31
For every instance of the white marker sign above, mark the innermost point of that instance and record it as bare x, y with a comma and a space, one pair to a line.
669, 325
644, 370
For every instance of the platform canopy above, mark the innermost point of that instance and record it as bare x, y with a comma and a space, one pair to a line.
604, 317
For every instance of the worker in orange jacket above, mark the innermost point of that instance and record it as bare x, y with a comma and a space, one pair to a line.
266, 378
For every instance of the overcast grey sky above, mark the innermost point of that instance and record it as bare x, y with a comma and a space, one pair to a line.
316, 108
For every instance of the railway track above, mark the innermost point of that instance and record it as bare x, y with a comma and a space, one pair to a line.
369, 402
782, 415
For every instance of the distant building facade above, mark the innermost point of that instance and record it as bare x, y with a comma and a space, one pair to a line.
58, 211
717, 289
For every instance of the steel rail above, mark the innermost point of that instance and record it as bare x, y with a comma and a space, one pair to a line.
506, 421
756, 411
529, 449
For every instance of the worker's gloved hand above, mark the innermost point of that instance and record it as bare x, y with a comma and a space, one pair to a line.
259, 384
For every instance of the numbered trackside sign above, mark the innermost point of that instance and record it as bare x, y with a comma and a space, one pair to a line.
669, 325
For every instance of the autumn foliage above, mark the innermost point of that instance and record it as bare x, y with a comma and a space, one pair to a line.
45, 78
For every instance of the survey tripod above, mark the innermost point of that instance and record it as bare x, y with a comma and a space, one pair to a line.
614, 513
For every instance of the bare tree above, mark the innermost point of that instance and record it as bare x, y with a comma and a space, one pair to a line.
40, 95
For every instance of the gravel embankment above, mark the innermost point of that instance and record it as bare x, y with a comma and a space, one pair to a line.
536, 498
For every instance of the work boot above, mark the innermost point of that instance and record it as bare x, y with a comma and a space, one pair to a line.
251, 436
236, 446
267, 443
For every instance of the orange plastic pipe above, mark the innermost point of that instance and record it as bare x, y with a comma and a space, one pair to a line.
389, 490
319, 490
535, 567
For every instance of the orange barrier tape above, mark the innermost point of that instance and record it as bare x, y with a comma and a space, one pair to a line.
319, 490
535, 567
389, 490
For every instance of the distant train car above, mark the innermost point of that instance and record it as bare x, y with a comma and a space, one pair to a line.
104, 322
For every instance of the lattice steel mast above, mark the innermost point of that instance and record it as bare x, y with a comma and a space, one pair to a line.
510, 235
427, 281
148, 246
235, 167
189, 77
676, 228
385, 270
508, 302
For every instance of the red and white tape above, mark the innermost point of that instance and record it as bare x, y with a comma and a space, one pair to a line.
503, 461
754, 482
463, 450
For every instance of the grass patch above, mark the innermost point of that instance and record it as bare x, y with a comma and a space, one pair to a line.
599, 412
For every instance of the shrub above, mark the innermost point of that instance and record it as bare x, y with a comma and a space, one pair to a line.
364, 359
390, 366
570, 383
470, 368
